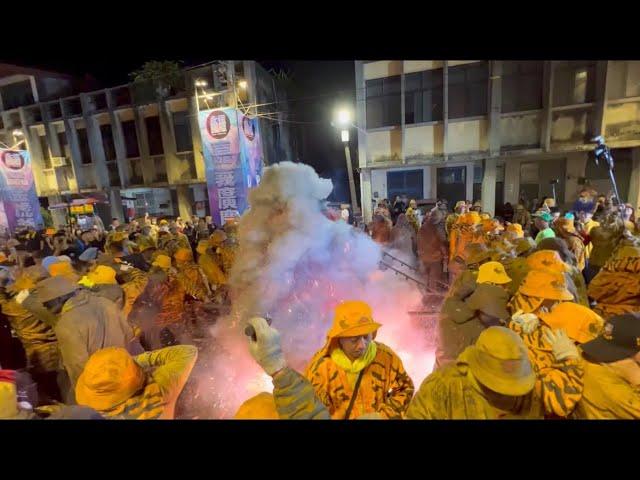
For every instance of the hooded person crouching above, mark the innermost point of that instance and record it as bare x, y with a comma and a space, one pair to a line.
354, 375
492, 379
551, 340
462, 320
143, 387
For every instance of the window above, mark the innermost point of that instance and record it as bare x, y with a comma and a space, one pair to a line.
107, 142
154, 135
406, 182
16, 95
46, 153
522, 86
383, 102
83, 145
64, 145
423, 97
468, 90
182, 132
574, 82
130, 138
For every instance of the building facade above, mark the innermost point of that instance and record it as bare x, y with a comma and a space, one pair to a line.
495, 131
133, 141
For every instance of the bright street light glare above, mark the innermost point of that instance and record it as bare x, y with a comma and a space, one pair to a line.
344, 117
17, 133
345, 135
242, 84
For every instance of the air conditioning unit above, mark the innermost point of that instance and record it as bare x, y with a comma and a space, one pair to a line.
58, 161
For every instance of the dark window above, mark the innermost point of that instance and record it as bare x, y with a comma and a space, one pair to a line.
423, 96
130, 138
46, 154
383, 102
182, 131
83, 144
406, 182
16, 95
468, 90
107, 142
521, 86
154, 134
574, 83
64, 145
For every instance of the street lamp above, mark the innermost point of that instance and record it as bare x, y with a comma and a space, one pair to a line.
343, 122
242, 84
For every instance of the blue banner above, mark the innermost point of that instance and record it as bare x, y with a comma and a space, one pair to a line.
233, 160
20, 206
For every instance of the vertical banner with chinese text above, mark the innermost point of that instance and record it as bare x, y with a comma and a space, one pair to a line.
226, 181
250, 150
20, 205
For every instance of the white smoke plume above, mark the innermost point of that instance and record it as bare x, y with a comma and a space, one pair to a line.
295, 265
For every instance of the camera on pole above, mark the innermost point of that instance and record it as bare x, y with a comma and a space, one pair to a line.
603, 155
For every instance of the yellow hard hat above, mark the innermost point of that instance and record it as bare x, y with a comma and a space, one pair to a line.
352, 318
110, 377
493, 272
581, 323
516, 230
547, 260
102, 275
162, 261
183, 255
499, 361
546, 284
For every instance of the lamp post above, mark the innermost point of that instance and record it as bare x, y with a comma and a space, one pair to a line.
343, 122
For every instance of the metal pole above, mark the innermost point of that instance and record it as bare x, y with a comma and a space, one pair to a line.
352, 185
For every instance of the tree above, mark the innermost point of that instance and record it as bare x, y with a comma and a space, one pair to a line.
163, 75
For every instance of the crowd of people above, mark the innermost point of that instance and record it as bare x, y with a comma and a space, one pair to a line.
102, 323
540, 320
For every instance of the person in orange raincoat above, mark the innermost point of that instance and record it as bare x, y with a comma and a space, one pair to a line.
463, 233
541, 291
351, 361
550, 339
616, 287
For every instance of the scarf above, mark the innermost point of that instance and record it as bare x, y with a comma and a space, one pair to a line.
353, 368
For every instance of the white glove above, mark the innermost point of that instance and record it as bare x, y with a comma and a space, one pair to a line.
266, 350
528, 322
561, 345
125, 267
22, 296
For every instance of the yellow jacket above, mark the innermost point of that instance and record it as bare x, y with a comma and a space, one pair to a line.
133, 289
558, 383
168, 370
607, 395
385, 387
452, 393
211, 269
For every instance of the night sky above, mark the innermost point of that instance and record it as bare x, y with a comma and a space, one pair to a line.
318, 87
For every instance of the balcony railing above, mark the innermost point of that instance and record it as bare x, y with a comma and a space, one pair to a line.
114, 174
159, 169
188, 166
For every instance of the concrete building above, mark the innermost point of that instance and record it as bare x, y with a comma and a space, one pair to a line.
499, 131
133, 141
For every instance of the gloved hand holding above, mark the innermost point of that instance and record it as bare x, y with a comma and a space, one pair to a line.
561, 345
528, 322
22, 296
266, 350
